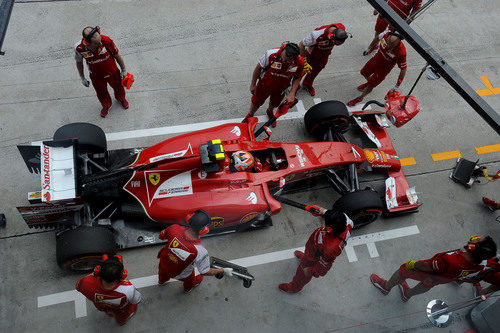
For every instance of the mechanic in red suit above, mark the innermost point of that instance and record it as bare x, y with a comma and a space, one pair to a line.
440, 269
490, 274
404, 8
109, 291
316, 47
100, 53
276, 68
183, 252
391, 51
324, 245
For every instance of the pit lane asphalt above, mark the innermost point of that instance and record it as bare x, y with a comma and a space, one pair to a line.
192, 62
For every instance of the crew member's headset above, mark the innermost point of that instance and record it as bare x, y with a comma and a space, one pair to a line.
205, 230
294, 47
472, 246
334, 35
114, 260
392, 33
479, 247
87, 38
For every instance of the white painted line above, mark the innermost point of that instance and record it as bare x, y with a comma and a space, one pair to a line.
370, 240
66, 296
261, 259
190, 127
300, 108
301, 111
351, 254
372, 250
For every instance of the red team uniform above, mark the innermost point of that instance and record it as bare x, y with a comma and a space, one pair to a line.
321, 250
447, 267
180, 256
102, 69
402, 7
119, 302
275, 77
318, 48
381, 64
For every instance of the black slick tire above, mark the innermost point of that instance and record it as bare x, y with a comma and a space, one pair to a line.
327, 114
363, 206
82, 248
91, 138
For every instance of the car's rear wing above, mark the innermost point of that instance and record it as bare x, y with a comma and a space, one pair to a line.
55, 161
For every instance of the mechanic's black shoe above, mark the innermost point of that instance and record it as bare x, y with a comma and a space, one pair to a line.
298, 254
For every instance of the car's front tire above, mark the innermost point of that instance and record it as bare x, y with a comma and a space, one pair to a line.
362, 206
324, 115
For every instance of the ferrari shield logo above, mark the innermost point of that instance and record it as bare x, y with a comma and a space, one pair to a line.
154, 178
175, 243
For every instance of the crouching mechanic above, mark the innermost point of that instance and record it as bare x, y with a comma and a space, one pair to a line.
391, 51
183, 252
442, 268
316, 47
324, 245
109, 291
274, 71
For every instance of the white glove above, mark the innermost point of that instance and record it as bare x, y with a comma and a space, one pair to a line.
228, 271
85, 82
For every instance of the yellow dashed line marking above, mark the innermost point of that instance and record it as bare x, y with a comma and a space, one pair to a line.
447, 155
407, 161
489, 88
488, 149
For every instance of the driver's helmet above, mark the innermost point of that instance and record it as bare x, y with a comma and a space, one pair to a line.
243, 160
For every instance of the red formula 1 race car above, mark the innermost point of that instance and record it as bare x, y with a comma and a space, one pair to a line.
100, 200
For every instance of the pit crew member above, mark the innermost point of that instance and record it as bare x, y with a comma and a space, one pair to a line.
316, 47
440, 269
404, 8
109, 291
490, 274
391, 51
272, 75
324, 245
100, 53
183, 252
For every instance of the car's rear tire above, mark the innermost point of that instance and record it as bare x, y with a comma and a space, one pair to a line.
91, 138
327, 114
82, 248
362, 206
